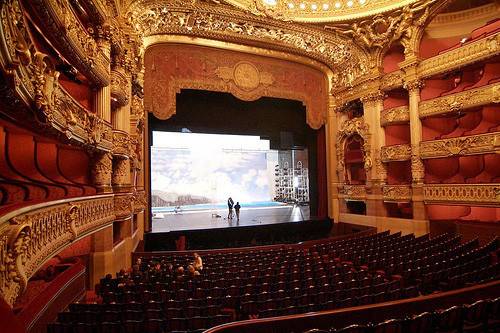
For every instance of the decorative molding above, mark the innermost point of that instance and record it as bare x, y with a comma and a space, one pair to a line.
397, 193
123, 206
475, 194
32, 235
140, 202
308, 13
245, 75
119, 88
65, 31
121, 143
453, 59
395, 116
392, 80
31, 91
348, 128
461, 146
381, 31
215, 70
395, 153
460, 101
198, 19
352, 192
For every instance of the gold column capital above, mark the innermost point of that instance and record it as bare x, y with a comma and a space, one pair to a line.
413, 85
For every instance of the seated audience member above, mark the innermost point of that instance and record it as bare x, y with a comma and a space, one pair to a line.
180, 273
198, 262
192, 272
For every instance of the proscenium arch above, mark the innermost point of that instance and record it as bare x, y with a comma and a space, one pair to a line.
171, 40
157, 18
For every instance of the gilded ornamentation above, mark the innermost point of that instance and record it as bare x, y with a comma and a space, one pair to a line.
373, 98
380, 168
460, 101
245, 75
469, 53
382, 30
398, 193
417, 166
36, 88
413, 86
392, 80
182, 17
397, 115
353, 192
121, 143
477, 194
123, 206
140, 201
461, 146
348, 128
29, 238
65, 30
121, 172
102, 169
395, 153
173, 68
119, 85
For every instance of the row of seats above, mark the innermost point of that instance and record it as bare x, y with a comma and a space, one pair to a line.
481, 316
288, 280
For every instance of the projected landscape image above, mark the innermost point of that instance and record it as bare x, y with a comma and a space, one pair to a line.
203, 170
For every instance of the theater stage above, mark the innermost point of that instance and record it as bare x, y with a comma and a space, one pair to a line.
257, 226
196, 220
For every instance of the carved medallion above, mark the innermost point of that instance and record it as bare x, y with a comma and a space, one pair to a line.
246, 76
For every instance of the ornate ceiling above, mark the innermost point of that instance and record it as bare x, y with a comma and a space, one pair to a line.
319, 10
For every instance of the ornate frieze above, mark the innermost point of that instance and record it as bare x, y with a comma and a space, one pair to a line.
327, 11
392, 80
475, 194
382, 30
395, 153
66, 32
119, 88
29, 237
32, 91
453, 59
461, 146
348, 128
352, 192
171, 68
394, 116
121, 143
155, 17
124, 205
397, 193
460, 101
417, 166
140, 201
102, 169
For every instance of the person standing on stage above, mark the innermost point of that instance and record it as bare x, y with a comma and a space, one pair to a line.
237, 210
230, 204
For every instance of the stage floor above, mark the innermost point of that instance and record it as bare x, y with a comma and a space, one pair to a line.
194, 220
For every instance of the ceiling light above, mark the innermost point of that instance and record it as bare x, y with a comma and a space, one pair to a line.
302, 6
349, 3
291, 5
338, 5
271, 2
314, 6
326, 6
362, 2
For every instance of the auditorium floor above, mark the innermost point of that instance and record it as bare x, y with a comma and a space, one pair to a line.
248, 216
